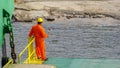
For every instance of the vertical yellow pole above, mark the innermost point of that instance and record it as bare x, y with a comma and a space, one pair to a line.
30, 48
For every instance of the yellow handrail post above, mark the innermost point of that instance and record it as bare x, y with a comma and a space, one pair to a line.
31, 56
30, 48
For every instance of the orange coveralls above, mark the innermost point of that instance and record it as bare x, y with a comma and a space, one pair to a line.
39, 33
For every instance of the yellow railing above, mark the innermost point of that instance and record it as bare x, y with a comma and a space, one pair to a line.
8, 63
30, 49
31, 52
31, 56
28, 60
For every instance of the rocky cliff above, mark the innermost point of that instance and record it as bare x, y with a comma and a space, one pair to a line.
29, 10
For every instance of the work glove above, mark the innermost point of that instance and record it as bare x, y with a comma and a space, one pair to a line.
29, 39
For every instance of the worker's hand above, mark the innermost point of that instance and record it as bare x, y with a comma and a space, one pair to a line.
30, 38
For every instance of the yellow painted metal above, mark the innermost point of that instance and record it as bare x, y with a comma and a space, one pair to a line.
31, 58
21, 53
30, 48
9, 62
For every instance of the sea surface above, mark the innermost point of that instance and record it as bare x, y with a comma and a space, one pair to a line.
74, 38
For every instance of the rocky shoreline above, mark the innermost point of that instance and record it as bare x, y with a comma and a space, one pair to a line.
53, 10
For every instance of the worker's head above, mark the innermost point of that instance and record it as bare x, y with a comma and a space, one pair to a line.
40, 20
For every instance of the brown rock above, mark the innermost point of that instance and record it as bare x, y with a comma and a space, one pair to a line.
21, 15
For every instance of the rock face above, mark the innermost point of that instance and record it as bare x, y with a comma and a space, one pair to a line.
27, 10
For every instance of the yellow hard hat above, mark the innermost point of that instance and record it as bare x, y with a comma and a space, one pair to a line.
40, 20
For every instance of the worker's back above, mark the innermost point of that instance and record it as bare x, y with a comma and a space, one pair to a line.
38, 31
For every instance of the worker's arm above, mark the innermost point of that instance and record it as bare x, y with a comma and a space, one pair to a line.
43, 33
31, 32
30, 35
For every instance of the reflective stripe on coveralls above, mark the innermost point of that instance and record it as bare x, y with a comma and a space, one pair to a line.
39, 33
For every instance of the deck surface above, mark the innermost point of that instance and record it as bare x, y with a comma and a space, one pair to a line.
30, 66
72, 63
83, 63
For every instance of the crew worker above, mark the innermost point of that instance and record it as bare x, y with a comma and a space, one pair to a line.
39, 33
